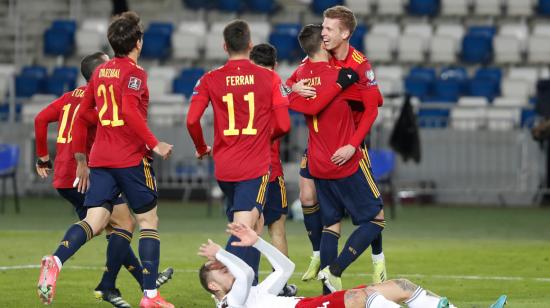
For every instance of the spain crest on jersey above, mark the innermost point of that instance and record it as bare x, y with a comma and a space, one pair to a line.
134, 83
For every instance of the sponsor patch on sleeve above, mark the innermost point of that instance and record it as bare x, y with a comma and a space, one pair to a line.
285, 90
134, 83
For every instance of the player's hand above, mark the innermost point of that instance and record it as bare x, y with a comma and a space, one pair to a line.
209, 250
163, 149
43, 166
82, 181
343, 154
304, 91
247, 236
207, 153
347, 77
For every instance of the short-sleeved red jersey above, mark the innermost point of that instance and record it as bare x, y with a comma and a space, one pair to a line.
363, 93
331, 128
63, 110
118, 90
243, 97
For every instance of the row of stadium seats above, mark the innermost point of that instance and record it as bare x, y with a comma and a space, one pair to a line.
442, 7
517, 87
514, 87
392, 7
418, 42
513, 43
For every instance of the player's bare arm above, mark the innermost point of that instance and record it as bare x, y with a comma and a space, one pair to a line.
82, 173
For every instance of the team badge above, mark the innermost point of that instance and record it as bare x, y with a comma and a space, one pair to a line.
134, 83
285, 91
370, 75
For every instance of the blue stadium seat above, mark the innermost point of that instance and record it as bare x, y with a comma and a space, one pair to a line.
424, 7
383, 164
433, 118
452, 83
477, 45
9, 159
356, 39
59, 38
262, 6
419, 82
157, 40
58, 42
231, 5
284, 38
319, 6
187, 80
486, 82
447, 90
62, 80
544, 7
32, 80
528, 117
67, 25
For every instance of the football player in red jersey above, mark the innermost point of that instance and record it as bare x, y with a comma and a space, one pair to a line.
246, 100
363, 98
121, 226
342, 185
276, 206
229, 280
120, 158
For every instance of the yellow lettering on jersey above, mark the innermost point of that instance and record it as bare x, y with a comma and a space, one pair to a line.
239, 80
109, 73
313, 81
78, 93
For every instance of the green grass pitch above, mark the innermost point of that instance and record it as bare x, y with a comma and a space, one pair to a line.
470, 255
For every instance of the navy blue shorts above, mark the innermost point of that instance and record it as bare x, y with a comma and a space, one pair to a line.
357, 194
77, 200
245, 195
276, 203
304, 167
137, 183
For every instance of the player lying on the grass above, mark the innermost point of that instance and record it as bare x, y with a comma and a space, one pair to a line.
342, 175
250, 110
229, 279
276, 207
363, 98
121, 225
120, 161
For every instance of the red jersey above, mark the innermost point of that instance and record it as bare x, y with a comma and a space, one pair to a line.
243, 96
361, 96
329, 129
276, 166
332, 300
63, 110
118, 90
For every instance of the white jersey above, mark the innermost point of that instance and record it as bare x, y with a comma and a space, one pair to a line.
261, 299
264, 295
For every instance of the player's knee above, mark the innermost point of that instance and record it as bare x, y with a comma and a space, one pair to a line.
308, 197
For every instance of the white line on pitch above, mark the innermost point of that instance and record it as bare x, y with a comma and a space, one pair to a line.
457, 277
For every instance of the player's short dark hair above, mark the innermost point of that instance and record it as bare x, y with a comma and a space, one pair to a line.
89, 64
310, 39
236, 36
204, 274
345, 15
124, 32
264, 54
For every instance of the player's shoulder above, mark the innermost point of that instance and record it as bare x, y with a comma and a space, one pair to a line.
357, 56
